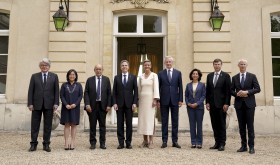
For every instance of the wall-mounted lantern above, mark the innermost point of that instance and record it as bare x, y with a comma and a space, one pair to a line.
216, 19
60, 19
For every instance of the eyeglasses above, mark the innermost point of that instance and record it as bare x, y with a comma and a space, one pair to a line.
44, 65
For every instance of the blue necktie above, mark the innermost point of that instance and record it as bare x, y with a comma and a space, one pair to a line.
124, 80
242, 80
169, 75
98, 90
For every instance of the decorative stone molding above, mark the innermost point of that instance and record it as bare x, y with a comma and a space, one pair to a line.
139, 3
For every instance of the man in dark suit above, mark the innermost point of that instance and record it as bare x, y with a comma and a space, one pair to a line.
43, 97
125, 97
171, 97
244, 87
217, 102
97, 99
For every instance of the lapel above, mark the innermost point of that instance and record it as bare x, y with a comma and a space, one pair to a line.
196, 90
48, 79
102, 84
212, 76
94, 83
238, 79
219, 78
128, 79
247, 77
40, 77
173, 75
120, 79
191, 88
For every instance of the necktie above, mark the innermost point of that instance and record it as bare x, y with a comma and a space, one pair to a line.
242, 80
216, 79
169, 75
98, 89
45, 79
124, 80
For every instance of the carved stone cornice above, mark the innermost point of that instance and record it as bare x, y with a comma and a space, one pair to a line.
140, 3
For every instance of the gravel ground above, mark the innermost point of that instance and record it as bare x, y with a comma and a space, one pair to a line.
14, 146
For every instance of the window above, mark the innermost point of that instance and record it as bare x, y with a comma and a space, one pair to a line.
136, 24
275, 46
152, 24
127, 24
4, 44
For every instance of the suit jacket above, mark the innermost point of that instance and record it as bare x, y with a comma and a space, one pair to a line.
219, 95
39, 95
250, 84
170, 90
90, 92
200, 94
125, 95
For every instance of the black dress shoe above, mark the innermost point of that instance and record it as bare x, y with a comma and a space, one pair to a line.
47, 148
120, 147
32, 148
193, 146
176, 145
242, 149
164, 145
252, 150
199, 146
103, 146
221, 148
215, 146
92, 147
128, 146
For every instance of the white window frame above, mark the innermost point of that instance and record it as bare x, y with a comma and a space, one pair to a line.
139, 29
275, 35
4, 33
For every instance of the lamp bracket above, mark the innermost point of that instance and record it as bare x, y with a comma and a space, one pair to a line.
214, 3
66, 3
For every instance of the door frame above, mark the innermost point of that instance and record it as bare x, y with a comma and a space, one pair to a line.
139, 33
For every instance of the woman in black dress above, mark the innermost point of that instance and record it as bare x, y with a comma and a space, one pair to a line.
71, 94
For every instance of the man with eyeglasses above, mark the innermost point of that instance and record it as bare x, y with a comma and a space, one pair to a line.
43, 98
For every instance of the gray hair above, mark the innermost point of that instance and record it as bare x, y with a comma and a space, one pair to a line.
45, 61
242, 60
168, 57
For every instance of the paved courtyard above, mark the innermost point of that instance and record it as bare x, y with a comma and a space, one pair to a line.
14, 146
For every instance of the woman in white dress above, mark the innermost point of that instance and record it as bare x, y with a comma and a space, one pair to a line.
148, 92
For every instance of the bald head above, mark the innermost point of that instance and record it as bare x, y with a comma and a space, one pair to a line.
98, 69
242, 64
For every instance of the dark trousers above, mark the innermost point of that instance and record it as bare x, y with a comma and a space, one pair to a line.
124, 114
195, 120
164, 110
218, 121
245, 118
35, 125
97, 114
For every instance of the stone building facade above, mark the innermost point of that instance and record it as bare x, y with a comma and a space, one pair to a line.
95, 35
